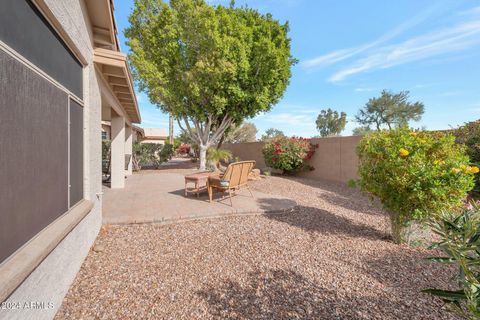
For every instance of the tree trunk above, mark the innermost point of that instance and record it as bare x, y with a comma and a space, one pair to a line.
203, 156
170, 129
220, 142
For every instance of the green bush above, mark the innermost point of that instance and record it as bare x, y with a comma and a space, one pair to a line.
414, 174
288, 154
469, 135
460, 242
152, 154
214, 156
106, 146
166, 153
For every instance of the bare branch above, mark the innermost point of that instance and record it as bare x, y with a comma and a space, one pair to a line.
226, 122
185, 118
180, 126
199, 131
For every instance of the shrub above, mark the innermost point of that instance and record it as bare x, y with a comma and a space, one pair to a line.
106, 146
183, 149
176, 142
414, 174
288, 154
152, 154
166, 153
460, 242
469, 135
214, 156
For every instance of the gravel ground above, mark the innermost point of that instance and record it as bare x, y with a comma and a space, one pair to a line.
329, 259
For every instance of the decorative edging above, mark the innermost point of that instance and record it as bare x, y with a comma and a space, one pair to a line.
205, 217
19, 265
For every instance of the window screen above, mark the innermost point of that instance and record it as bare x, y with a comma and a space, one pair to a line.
24, 29
76, 152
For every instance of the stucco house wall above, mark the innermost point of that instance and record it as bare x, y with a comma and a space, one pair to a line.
50, 280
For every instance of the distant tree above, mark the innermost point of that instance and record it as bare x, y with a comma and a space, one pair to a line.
330, 122
390, 110
185, 137
247, 132
272, 133
361, 131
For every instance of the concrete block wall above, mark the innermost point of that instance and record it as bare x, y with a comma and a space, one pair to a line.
334, 160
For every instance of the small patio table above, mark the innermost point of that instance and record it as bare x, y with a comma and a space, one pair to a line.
199, 179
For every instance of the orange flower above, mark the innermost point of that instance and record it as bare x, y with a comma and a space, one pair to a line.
403, 152
474, 170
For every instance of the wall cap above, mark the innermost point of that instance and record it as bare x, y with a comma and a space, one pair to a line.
16, 268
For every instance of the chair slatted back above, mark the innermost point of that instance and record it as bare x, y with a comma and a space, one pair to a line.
237, 173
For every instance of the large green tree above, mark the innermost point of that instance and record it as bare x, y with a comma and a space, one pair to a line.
390, 110
330, 122
209, 66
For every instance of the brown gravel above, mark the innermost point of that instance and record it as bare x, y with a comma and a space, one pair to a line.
329, 259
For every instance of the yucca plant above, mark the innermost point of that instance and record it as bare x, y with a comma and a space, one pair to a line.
214, 156
460, 241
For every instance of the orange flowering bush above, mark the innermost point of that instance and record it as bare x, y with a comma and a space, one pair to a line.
289, 154
414, 174
469, 135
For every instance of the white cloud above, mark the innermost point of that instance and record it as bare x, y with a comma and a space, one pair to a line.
361, 89
293, 119
475, 109
424, 85
342, 54
456, 38
471, 11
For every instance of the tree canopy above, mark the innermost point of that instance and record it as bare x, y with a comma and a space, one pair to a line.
271, 134
209, 66
330, 122
390, 110
361, 131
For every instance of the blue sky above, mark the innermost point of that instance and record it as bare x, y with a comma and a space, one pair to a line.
350, 50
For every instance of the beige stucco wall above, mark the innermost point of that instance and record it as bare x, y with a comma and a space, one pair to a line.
51, 279
334, 160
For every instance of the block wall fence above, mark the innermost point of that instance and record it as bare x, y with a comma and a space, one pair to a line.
335, 159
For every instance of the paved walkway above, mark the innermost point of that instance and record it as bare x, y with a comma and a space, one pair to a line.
157, 196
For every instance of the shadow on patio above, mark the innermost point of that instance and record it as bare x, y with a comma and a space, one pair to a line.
157, 196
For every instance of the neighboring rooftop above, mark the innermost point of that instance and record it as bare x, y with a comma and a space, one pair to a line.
155, 133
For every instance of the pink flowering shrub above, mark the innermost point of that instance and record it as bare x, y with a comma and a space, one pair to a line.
289, 154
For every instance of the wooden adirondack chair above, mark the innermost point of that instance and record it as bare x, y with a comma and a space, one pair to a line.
234, 177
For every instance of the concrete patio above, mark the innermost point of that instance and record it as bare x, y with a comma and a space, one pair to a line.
158, 196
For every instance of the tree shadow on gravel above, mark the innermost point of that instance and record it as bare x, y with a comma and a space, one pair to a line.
286, 294
407, 269
340, 194
314, 220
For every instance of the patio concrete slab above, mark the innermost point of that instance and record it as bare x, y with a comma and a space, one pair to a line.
159, 197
